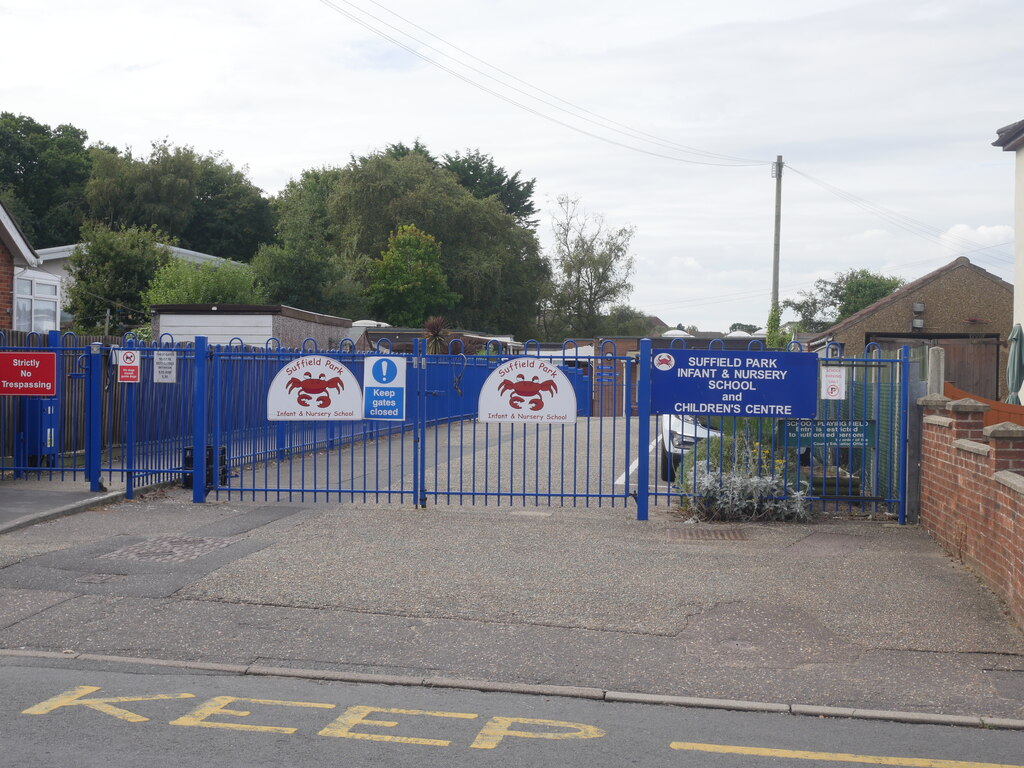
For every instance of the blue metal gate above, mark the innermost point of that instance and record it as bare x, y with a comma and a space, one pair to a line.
205, 424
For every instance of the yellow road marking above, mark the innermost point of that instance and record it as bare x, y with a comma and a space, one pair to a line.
498, 728
342, 727
74, 698
838, 757
217, 704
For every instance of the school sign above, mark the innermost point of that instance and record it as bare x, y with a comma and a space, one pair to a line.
719, 382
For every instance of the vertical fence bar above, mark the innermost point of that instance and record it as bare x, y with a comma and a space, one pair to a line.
199, 421
904, 425
94, 416
643, 412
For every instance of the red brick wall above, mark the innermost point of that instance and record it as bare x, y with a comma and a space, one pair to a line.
6, 288
972, 493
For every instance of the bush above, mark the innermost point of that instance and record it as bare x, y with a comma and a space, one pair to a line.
737, 477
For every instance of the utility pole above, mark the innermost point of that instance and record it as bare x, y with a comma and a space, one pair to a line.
777, 167
106, 323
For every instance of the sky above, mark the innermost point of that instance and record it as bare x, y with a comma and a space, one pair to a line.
664, 115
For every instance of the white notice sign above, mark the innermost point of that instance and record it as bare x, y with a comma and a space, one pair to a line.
527, 389
833, 382
165, 366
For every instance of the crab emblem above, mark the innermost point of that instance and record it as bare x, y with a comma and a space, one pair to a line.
309, 387
524, 391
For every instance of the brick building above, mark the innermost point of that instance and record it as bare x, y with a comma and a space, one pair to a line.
28, 296
960, 307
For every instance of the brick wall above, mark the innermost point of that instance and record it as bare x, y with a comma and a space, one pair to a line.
972, 492
6, 288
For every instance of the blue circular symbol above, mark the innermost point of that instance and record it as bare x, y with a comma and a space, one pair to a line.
385, 371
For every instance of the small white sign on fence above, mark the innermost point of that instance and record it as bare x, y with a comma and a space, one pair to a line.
165, 366
833, 382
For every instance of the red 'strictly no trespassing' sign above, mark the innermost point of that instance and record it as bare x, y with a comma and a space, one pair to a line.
28, 373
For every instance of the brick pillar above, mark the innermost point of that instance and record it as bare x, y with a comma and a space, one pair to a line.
968, 419
1007, 442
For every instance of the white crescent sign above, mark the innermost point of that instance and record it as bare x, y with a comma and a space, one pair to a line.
527, 389
314, 388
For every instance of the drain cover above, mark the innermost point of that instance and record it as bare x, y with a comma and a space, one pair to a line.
708, 534
168, 549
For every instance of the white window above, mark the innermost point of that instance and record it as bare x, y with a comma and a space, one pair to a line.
35, 302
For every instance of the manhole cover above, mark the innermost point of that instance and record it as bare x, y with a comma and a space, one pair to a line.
100, 578
707, 534
168, 549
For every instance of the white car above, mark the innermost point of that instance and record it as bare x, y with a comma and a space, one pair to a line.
678, 434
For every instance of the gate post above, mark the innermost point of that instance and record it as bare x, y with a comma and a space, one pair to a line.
94, 415
904, 424
199, 421
643, 412
130, 405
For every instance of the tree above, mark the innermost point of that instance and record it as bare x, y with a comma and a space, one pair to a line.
182, 282
407, 283
834, 300
111, 268
775, 337
593, 266
624, 320
202, 200
745, 327
43, 172
479, 174
305, 267
491, 262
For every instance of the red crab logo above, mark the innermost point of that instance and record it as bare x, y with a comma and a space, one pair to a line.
311, 386
527, 391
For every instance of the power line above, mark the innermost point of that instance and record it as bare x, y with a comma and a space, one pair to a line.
728, 162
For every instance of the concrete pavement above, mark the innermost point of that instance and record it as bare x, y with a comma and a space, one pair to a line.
841, 613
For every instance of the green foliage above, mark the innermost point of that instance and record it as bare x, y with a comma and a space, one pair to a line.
491, 262
593, 266
110, 270
479, 174
43, 172
834, 300
407, 283
745, 327
775, 337
205, 202
624, 320
181, 282
739, 478
313, 280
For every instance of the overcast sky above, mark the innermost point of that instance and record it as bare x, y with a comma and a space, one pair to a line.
891, 105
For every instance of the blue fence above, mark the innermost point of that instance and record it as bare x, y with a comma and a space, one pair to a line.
197, 414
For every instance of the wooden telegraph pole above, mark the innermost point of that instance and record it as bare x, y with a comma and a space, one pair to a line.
777, 175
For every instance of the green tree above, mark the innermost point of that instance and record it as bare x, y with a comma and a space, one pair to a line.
745, 327
493, 263
834, 300
775, 337
479, 174
111, 268
407, 283
624, 320
43, 172
593, 266
182, 282
202, 200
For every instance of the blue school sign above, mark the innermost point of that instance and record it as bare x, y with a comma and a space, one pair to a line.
717, 382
